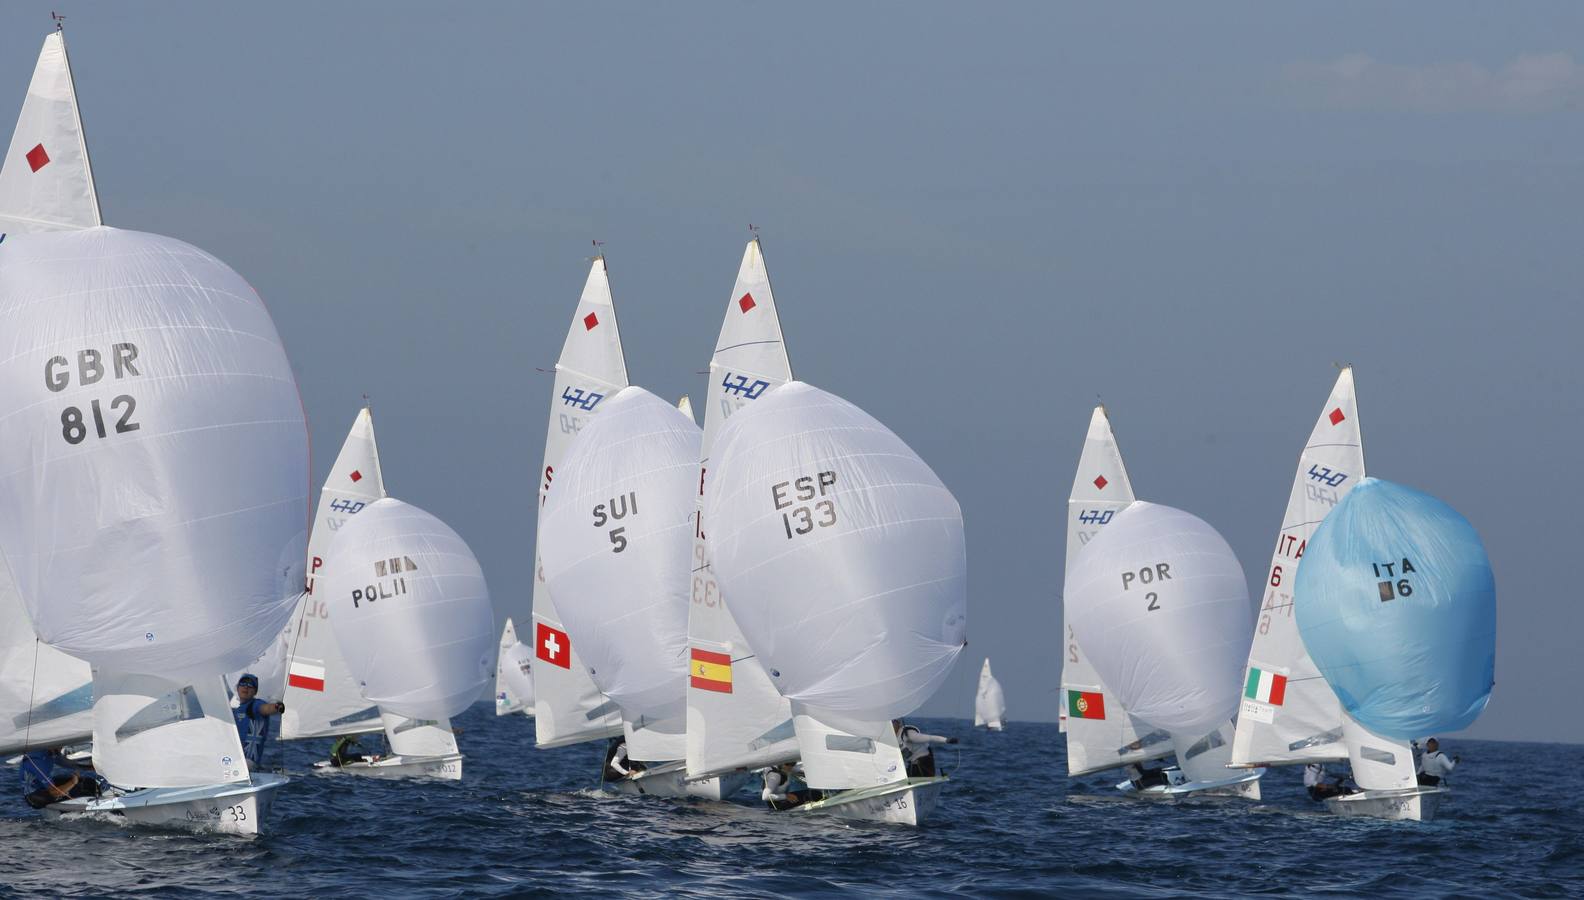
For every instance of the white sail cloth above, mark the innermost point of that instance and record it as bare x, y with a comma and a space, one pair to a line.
513, 674
410, 611
155, 462
1159, 602
615, 540
841, 551
989, 700
45, 181
46, 697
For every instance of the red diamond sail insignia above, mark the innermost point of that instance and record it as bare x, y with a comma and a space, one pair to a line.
356, 476
747, 302
1100, 482
1336, 416
37, 158
589, 321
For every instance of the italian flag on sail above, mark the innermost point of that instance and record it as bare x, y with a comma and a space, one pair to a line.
1265, 686
1085, 704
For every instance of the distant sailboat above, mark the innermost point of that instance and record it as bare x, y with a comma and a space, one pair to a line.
617, 532
513, 675
1102, 733
844, 557
989, 701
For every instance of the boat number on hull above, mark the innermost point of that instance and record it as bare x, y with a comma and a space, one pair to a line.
804, 519
612, 510
91, 367
1154, 574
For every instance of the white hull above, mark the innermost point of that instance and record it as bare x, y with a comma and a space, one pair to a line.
1242, 785
224, 808
1418, 804
441, 768
670, 780
907, 802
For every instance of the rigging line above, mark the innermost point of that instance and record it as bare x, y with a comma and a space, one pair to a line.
27, 730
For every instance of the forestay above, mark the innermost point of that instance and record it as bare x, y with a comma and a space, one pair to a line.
156, 457
989, 700
1100, 733
46, 697
46, 182
513, 674
735, 717
1288, 712
568, 708
322, 697
1159, 601
842, 551
615, 540
1397, 605
410, 611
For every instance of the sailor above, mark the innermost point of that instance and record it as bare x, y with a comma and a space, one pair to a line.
1435, 766
1143, 777
48, 777
617, 765
342, 752
916, 750
252, 719
779, 793
1315, 782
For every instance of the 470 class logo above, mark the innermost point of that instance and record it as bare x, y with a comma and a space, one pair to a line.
742, 387
584, 400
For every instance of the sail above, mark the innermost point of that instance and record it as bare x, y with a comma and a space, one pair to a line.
842, 551
989, 701
1397, 606
1160, 603
651, 740
735, 717
46, 697
154, 469
840, 752
46, 183
1288, 712
152, 731
1100, 733
322, 697
410, 611
686, 406
418, 737
568, 708
614, 544
513, 674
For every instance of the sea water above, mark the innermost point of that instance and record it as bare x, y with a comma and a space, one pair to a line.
525, 821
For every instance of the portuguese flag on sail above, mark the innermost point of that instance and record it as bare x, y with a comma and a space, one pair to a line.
1265, 686
1085, 704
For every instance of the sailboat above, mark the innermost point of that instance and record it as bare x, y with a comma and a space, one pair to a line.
1289, 715
615, 540
513, 675
844, 557
568, 708
1101, 732
164, 378
411, 613
736, 720
989, 701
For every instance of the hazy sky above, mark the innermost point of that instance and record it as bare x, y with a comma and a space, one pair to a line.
977, 217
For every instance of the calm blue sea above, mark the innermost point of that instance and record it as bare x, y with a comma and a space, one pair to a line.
531, 822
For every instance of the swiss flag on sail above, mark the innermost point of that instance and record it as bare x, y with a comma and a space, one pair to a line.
552, 645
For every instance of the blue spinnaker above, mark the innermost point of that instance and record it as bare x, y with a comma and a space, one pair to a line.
1397, 606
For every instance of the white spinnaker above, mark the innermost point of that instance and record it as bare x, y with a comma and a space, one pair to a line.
568, 708
614, 545
46, 697
410, 610
46, 182
1306, 726
1100, 490
989, 700
151, 731
513, 674
1160, 602
322, 697
749, 725
155, 464
843, 553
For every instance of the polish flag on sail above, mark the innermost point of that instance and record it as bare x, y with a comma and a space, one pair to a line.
306, 675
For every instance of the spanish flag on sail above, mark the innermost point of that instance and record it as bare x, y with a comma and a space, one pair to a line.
710, 671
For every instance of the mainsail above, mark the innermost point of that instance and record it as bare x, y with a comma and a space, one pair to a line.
615, 544
989, 700
568, 708
844, 555
322, 697
1100, 733
735, 717
46, 182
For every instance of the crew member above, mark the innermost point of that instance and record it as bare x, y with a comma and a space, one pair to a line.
1435, 766
1319, 789
916, 749
48, 777
781, 791
253, 719
1143, 777
617, 765
343, 752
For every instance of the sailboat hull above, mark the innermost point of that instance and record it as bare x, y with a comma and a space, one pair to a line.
907, 802
1414, 804
1243, 785
670, 780
238, 809
437, 768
